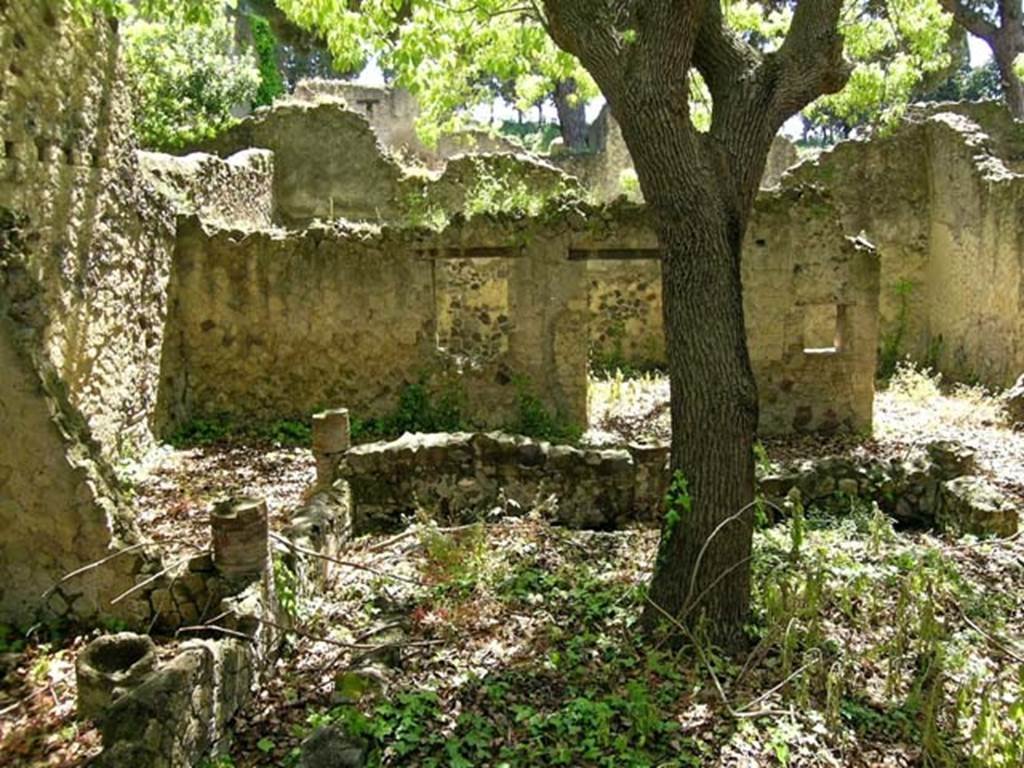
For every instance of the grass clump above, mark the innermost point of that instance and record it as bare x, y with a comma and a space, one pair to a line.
216, 430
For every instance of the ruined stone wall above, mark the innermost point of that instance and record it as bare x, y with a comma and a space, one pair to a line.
880, 188
810, 299
56, 510
98, 242
235, 192
462, 477
626, 328
976, 265
84, 262
327, 161
392, 113
278, 324
939, 198
274, 324
811, 308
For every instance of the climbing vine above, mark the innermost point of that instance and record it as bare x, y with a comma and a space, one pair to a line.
265, 47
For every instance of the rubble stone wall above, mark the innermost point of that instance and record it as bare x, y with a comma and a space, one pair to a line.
941, 199
84, 261
273, 324
976, 267
235, 192
327, 161
461, 477
98, 242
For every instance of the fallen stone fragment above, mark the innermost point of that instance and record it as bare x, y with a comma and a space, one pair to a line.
971, 504
1013, 403
330, 747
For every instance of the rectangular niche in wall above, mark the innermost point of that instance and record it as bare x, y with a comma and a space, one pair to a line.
822, 329
473, 320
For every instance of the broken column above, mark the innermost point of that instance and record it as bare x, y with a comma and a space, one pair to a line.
241, 545
109, 667
332, 436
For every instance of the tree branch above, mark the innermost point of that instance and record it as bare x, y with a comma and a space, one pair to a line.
720, 55
970, 19
810, 61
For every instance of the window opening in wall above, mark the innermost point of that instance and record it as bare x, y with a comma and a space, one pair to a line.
8, 150
822, 329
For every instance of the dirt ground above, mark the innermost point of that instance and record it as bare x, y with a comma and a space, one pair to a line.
493, 659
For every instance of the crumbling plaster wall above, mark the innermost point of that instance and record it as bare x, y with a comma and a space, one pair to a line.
237, 191
274, 324
327, 161
85, 251
98, 242
976, 266
393, 112
57, 506
939, 197
271, 324
810, 303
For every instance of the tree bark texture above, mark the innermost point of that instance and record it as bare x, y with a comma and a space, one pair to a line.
700, 189
572, 115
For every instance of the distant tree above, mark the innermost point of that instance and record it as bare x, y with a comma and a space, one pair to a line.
455, 56
187, 79
1000, 23
967, 83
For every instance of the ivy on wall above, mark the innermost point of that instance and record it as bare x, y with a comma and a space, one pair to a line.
265, 47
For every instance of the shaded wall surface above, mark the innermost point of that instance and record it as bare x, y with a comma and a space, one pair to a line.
270, 324
83, 272
266, 325
941, 199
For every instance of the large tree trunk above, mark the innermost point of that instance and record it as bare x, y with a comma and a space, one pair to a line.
700, 189
1013, 89
572, 115
704, 560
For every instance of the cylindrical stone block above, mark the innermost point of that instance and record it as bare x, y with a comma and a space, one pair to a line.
332, 436
241, 544
332, 432
109, 667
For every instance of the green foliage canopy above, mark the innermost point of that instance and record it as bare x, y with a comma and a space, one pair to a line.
447, 53
265, 47
453, 56
186, 79
895, 45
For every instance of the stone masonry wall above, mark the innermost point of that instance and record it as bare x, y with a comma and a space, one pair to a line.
811, 302
98, 241
626, 327
271, 324
941, 200
84, 262
976, 266
237, 191
327, 161
460, 477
